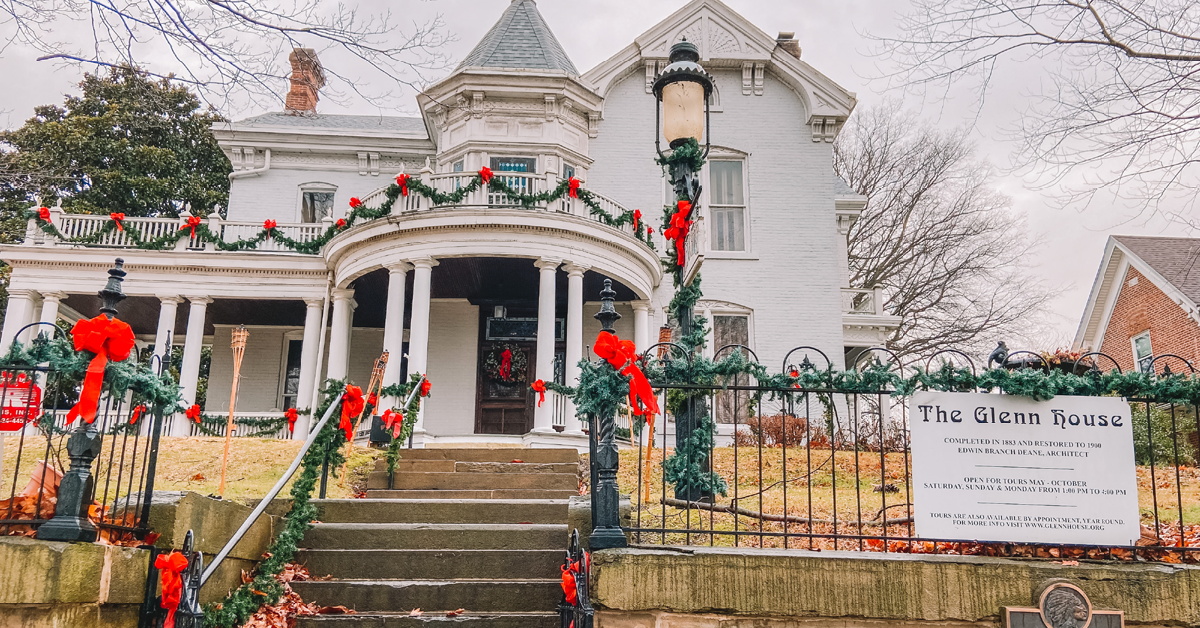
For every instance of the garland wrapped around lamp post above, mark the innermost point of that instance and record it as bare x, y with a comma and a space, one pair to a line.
194, 229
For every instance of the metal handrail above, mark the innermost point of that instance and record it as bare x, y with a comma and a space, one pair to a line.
262, 505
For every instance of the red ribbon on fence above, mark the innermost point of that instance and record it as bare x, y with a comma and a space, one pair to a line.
402, 181
107, 338
573, 187
193, 413
352, 406
678, 231
393, 420
622, 355
425, 387
136, 414
540, 388
354, 202
44, 214
486, 174
505, 364
192, 223
341, 223
269, 224
568, 581
291, 415
117, 218
170, 567
637, 217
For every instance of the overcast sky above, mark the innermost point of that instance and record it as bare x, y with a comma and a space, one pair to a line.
832, 34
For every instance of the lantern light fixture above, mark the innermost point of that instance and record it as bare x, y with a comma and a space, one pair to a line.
682, 91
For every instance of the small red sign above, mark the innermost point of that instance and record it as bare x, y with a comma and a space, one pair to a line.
20, 401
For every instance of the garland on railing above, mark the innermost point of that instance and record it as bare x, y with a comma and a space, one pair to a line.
264, 588
400, 422
195, 227
210, 425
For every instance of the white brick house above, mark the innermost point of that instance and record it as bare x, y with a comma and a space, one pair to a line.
444, 286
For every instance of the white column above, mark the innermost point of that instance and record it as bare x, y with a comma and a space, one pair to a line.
543, 417
189, 372
393, 323
339, 334
165, 335
418, 331
313, 327
574, 351
17, 315
50, 302
709, 335
641, 325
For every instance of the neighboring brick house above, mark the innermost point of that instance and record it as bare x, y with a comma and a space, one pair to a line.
1143, 302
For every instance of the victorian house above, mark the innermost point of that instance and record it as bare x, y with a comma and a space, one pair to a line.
445, 288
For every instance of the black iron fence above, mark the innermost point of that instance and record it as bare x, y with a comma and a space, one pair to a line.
827, 468
34, 404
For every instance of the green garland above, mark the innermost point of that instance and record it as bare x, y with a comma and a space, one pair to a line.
357, 214
401, 391
689, 154
263, 589
266, 426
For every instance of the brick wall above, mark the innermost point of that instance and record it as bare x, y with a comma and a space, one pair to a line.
1141, 307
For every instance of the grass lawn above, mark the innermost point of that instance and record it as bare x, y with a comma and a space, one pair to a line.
194, 464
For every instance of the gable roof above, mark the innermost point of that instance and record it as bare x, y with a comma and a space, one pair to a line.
1171, 264
520, 39
1177, 260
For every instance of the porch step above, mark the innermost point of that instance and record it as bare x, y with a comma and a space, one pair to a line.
508, 454
433, 619
432, 564
475, 481
478, 494
441, 511
453, 466
432, 596
452, 536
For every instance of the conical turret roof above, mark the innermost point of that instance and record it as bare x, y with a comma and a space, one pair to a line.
520, 39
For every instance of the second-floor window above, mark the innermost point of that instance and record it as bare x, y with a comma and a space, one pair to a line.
727, 209
1142, 353
315, 205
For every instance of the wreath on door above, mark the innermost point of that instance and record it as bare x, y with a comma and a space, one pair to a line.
506, 364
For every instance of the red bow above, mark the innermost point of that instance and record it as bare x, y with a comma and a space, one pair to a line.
393, 420
352, 406
117, 218
107, 338
540, 388
568, 581
268, 224
136, 414
573, 187
402, 181
425, 386
170, 567
649, 231
44, 214
193, 413
505, 364
637, 216
622, 355
291, 415
354, 202
678, 231
192, 223
372, 400
485, 174
341, 223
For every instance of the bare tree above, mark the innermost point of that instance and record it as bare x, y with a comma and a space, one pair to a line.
935, 234
1123, 108
226, 49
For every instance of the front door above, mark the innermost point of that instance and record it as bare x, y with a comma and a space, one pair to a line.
503, 403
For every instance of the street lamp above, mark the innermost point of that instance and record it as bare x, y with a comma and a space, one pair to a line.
682, 92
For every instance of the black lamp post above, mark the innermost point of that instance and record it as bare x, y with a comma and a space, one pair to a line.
606, 496
70, 522
682, 91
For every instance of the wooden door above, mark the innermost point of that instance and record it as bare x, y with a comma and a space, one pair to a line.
504, 407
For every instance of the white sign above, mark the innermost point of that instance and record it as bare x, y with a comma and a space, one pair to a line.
1010, 469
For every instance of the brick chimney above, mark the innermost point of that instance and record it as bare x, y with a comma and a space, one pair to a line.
307, 78
788, 42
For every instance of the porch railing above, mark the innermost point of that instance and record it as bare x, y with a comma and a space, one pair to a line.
863, 301
832, 469
243, 430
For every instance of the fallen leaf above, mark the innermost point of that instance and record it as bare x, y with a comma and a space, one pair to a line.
455, 613
1070, 563
199, 477
519, 461
416, 612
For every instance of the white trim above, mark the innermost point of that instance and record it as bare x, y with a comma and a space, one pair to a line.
747, 251
283, 357
312, 186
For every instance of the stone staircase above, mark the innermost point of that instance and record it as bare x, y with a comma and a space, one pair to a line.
483, 530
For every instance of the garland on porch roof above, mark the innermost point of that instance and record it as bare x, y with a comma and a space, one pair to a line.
196, 228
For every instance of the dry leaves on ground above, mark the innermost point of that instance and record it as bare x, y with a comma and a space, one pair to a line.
284, 613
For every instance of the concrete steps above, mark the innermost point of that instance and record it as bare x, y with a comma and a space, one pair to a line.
479, 529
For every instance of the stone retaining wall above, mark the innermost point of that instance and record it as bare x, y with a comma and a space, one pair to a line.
708, 587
